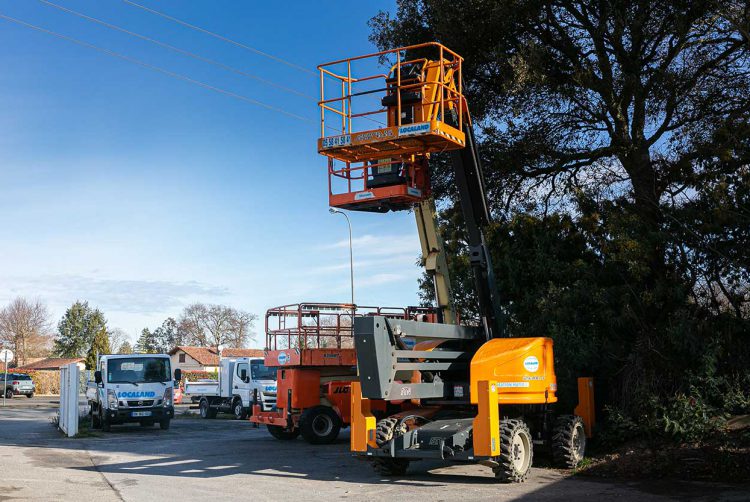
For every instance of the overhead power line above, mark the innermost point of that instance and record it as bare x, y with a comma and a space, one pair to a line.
223, 38
177, 49
156, 68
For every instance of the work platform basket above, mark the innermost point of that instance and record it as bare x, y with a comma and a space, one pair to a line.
381, 116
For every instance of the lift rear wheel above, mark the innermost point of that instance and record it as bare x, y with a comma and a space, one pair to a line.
516, 452
320, 425
385, 430
568, 441
280, 433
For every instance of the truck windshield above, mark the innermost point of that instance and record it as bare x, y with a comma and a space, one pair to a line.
260, 372
138, 370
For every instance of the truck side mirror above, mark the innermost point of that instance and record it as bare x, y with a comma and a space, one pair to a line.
98, 377
243, 375
178, 374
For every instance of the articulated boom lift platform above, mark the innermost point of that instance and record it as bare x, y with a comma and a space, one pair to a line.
378, 139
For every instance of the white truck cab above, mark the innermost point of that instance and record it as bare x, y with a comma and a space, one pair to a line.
132, 388
241, 381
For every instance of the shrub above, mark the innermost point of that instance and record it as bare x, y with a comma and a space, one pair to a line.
46, 382
194, 375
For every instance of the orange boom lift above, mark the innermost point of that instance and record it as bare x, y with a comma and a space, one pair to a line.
479, 396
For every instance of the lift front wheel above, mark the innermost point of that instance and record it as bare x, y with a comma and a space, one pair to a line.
320, 425
516, 452
386, 430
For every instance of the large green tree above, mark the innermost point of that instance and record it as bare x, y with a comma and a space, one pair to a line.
146, 343
615, 142
77, 329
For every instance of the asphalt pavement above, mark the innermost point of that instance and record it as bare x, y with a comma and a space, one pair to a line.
214, 459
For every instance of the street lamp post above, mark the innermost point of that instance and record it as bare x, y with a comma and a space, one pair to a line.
351, 255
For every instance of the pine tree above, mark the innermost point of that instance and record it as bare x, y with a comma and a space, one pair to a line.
99, 346
145, 343
77, 329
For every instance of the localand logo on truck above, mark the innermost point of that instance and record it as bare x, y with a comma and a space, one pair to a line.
136, 394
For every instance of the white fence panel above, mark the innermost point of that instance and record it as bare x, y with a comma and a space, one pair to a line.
69, 390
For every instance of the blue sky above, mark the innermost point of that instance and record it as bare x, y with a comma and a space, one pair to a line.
141, 193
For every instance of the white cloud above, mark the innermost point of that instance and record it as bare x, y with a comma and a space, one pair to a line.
120, 295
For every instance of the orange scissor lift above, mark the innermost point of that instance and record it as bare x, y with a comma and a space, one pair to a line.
312, 348
478, 395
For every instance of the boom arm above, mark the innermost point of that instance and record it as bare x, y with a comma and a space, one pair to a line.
436, 264
467, 169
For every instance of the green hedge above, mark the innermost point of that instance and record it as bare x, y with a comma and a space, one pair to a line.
195, 375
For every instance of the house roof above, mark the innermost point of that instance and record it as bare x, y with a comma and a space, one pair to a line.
50, 363
209, 356
205, 356
242, 353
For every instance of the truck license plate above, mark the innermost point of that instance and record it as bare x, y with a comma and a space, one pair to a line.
140, 414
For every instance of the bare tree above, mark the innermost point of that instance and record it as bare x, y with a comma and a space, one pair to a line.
215, 326
25, 329
117, 337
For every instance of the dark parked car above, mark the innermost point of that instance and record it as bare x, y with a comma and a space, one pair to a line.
18, 383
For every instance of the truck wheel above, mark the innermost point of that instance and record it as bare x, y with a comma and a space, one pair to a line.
240, 413
96, 422
280, 433
516, 452
206, 410
9, 393
164, 424
320, 425
568, 441
30, 395
385, 430
106, 426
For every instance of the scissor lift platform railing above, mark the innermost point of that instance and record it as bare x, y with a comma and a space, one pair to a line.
317, 334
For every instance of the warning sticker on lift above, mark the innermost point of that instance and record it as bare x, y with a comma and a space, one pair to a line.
507, 385
408, 130
364, 195
333, 141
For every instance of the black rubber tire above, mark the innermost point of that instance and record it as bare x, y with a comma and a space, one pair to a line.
516, 447
205, 410
96, 422
386, 430
320, 425
9, 393
568, 441
30, 395
280, 433
164, 424
239, 411
105, 425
